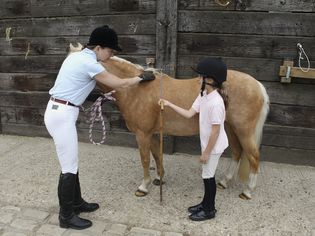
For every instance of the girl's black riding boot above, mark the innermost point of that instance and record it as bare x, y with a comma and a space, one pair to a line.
208, 203
67, 217
80, 205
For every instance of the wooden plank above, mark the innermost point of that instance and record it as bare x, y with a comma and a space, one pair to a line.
263, 23
252, 46
289, 137
78, 26
268, 153
298, 116
90, 7
48, 64
252, 5
166, 36
288, 155
203, 5
131, 44
260, 68
297, 72
26, 82
291, 94
15, 8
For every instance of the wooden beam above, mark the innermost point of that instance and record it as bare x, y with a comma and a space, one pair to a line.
287, 70
166, 36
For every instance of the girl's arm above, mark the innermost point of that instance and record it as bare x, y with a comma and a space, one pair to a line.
183, 112
212, 140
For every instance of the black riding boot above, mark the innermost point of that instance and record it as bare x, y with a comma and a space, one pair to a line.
207, 210
80, 205
67, 217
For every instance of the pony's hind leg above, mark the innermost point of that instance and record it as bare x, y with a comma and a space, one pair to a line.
155, 150
236, 151
251, 152
144, 148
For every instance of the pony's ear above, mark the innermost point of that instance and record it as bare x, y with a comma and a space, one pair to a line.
75, 49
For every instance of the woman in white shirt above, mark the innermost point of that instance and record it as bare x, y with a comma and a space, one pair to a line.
76, 79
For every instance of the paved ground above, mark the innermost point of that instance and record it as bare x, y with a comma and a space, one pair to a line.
283, 203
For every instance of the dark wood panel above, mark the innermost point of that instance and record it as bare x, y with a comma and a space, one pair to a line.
260, 68
131, 44
291, 24
90, 7
26, 82
257, 46
166, 35
298, 116
15, 8
251, 5
48, 64
291, 94
289, 137
288, 155
203, 5
78, 26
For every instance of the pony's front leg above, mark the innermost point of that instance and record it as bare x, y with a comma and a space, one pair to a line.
144, 148
155, 150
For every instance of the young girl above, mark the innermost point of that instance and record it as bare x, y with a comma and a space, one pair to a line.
210, 105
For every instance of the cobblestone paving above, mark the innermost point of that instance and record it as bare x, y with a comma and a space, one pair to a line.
283, 203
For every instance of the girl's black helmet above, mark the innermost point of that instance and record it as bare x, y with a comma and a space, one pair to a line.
104, 37
213, 68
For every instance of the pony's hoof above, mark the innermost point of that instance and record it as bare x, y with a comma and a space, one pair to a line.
157, 182
244, 196
140, 193
221, 186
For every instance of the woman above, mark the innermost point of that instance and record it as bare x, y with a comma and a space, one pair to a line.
211, 108
76, 79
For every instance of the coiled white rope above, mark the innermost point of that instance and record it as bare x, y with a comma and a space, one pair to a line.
96, 115
301, 58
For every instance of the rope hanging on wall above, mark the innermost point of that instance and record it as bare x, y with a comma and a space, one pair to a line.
301, 58
7, 34
28, 50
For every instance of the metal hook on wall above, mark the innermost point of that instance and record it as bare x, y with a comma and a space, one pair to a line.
222, 3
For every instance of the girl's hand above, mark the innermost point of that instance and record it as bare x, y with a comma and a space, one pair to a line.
204, 159
165, 102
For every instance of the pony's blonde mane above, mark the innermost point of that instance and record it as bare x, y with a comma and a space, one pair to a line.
120, 60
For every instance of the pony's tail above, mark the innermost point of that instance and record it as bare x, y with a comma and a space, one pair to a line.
244, 167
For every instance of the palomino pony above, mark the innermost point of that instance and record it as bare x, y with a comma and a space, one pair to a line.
246, 114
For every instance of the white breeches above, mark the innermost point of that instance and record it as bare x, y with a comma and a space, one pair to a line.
208, 170
60, 121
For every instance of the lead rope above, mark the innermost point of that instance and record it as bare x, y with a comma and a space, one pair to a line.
96, 115
301, 58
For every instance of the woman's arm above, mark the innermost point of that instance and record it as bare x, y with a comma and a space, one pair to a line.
183, 112
114, 82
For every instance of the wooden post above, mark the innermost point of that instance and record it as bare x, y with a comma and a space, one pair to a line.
166, 46
166, 36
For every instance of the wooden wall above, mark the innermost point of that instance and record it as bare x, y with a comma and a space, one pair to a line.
253, 37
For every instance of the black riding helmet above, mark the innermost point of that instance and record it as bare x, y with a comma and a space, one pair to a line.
213, 68
104, 37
